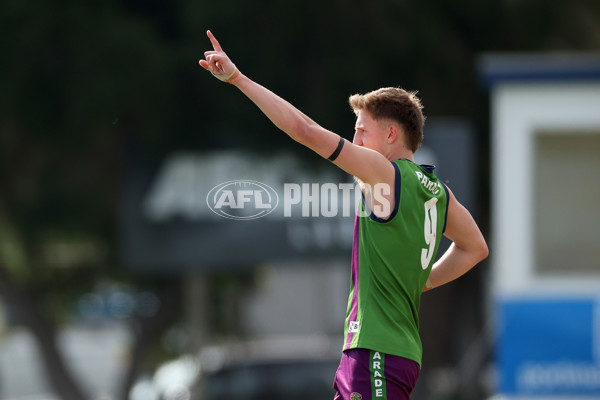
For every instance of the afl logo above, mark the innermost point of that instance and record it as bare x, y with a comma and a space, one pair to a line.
242, 199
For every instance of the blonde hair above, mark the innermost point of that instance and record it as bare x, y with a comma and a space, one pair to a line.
397, 105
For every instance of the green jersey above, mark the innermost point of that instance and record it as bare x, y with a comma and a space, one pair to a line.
391, 262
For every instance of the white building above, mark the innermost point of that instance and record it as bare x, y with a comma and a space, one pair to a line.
545, 247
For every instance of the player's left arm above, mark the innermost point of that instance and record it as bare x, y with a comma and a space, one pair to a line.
467, 249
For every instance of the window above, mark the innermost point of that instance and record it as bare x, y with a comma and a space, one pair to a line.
567, 203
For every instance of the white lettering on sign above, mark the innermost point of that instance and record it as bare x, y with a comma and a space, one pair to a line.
559, 376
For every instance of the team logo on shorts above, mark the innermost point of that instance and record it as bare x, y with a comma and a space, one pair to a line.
355, 396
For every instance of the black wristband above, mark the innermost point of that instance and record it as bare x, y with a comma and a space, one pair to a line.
337, 151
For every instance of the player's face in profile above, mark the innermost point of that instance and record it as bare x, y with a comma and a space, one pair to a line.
368, 132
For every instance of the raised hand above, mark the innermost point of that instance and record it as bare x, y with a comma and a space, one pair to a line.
217, 62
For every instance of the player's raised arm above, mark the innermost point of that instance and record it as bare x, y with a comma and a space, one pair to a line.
366, 164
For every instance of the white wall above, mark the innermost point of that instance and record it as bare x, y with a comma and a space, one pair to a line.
520, 113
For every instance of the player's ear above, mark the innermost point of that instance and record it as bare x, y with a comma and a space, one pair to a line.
392, 134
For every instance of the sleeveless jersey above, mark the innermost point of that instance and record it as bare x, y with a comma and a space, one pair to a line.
391, 262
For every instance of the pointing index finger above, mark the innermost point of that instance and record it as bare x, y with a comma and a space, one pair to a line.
214, 41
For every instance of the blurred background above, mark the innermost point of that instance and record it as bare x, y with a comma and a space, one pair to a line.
118, 282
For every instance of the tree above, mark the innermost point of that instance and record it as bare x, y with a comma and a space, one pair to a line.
75, 80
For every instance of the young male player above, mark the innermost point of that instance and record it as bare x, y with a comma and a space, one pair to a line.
404, 213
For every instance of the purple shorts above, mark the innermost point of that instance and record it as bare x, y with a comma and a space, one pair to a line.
370, 375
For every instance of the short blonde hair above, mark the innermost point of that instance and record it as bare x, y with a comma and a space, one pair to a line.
397, 105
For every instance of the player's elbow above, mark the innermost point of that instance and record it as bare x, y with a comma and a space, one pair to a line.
475, 249
481, 250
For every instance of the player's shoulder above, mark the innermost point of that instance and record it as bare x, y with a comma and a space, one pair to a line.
412, 165
419, 171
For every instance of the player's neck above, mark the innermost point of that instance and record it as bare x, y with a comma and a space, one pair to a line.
402, 154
